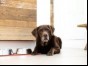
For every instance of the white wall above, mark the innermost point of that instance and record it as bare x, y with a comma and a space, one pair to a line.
68, 13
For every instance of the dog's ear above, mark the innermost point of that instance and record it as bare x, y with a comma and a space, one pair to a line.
34, 32
52, 29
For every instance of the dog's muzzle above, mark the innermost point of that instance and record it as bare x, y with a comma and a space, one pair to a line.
45, 38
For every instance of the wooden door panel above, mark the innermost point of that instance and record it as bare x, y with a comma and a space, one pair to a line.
17, 19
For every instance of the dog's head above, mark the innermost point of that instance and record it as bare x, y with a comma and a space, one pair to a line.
43, 32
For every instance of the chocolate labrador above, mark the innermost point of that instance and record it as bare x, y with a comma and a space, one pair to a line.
46, 41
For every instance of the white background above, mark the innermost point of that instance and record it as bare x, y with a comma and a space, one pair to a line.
68, 14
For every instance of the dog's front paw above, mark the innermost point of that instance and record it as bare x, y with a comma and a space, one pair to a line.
49, 54
34, 53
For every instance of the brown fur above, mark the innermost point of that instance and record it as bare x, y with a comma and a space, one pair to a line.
46, 41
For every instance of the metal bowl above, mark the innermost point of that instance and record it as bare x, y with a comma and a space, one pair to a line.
23, 51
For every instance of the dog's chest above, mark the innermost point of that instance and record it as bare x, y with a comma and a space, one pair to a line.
44, 49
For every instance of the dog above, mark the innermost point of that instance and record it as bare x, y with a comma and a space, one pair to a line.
46, 42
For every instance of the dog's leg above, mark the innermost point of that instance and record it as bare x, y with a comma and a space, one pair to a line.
35, 52
56, 51
53, 51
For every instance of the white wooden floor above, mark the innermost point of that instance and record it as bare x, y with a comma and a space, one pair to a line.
68, 56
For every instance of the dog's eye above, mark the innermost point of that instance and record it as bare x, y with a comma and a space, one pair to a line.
41, 30
46, 29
